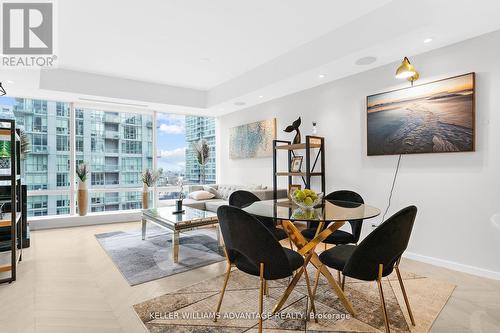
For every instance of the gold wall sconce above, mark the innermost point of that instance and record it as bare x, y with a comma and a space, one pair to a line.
407, 71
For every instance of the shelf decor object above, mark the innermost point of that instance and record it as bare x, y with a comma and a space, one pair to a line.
295, 127
11, 208
313, 151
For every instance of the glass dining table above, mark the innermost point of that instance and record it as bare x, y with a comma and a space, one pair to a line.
332, 213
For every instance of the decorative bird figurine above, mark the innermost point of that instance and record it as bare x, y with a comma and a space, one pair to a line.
295, 127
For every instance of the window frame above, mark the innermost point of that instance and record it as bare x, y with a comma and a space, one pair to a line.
50, 221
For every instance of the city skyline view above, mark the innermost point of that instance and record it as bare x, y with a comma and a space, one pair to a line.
116, 145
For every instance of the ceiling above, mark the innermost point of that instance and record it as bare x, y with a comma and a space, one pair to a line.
192, 43
218, 56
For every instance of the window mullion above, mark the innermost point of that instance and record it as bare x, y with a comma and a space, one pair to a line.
72, 159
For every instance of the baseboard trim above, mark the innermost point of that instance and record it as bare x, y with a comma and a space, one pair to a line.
454, 265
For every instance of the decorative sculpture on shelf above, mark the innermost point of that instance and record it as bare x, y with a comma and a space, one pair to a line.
295, 127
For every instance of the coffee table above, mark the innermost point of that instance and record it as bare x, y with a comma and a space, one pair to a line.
190, 219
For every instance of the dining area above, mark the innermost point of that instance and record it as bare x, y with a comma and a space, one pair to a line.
277, 240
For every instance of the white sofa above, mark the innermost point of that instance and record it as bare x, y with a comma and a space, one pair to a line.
224, 191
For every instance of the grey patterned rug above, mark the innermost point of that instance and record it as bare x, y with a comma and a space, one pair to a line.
191, 309
142, 261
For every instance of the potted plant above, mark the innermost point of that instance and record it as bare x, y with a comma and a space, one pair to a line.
82, 172
149, 178
202, 152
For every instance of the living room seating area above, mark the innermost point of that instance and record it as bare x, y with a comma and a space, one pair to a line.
249, 166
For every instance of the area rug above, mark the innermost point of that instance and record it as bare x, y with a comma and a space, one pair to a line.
141, 261
191, 309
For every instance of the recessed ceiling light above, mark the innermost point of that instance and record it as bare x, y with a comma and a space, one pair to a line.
239, 103
365, 61
321, 76
205, 59
261, 96
427, 40
9, 81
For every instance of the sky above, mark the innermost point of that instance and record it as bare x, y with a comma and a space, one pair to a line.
171, 141
4, 100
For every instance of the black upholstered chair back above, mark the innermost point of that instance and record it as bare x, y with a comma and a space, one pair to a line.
242, 199
384, 245
346, 195
247, 240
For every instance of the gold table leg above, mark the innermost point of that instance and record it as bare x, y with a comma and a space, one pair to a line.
305, 247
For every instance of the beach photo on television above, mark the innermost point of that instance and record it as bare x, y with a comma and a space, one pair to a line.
430, 118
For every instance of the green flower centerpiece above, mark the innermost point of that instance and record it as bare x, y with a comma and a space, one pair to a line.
306, 198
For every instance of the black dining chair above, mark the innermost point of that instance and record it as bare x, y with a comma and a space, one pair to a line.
339, 236
376, 256
242, 199
252, 248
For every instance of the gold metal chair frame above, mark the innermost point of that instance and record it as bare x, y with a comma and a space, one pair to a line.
307, 249
264, 289
382, 299
381, 292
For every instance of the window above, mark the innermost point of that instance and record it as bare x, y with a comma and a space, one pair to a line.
62, 143
62, 109
62, 180
62, 163
176, 158
36, 163
97, 178
132, 147
118, 146
79, 144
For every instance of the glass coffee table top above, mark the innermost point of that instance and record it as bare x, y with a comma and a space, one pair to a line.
328, 211
189, 214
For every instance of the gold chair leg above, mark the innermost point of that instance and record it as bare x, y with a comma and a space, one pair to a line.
261, 296
311, 296
338, 277
343, 282
382, 300
226, 278
404, 295
291, 244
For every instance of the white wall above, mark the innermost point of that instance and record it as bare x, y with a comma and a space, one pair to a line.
456, 193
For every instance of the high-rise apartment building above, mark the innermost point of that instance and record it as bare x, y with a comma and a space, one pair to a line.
116, 145
200, 128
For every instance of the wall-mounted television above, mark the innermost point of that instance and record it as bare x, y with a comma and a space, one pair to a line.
435, 117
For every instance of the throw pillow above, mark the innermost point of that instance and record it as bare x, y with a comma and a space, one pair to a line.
201, 195
212, 190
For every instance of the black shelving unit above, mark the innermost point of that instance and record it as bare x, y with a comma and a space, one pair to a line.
314, 149
11, 216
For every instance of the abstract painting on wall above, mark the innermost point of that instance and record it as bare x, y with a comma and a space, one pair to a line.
434, 117
252, 140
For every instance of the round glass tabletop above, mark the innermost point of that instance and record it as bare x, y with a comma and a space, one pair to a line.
328, 211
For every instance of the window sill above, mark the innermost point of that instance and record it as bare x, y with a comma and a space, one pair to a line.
65, 221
